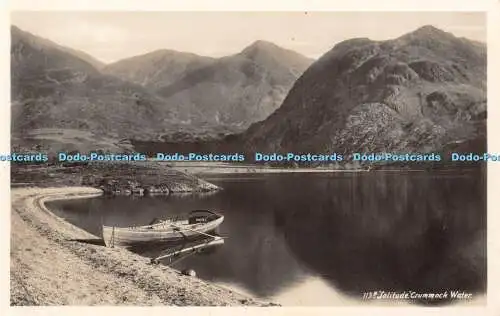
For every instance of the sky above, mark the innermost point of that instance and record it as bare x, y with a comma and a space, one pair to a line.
111, 36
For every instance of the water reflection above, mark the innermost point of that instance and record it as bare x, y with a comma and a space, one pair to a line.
393, 233
356, 233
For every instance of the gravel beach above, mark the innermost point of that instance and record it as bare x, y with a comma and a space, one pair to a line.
48, 266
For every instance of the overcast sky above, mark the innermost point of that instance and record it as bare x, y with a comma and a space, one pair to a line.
110, 36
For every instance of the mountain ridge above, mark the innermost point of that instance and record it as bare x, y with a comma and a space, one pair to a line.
234, 90
423, 90
157, 68
54, 87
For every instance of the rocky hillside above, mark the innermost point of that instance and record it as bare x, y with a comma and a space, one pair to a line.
417, 92
232, 91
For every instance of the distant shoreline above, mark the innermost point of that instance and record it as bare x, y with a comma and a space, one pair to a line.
201, 168
234, 169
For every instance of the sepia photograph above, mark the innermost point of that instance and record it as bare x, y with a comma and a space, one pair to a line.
253, 158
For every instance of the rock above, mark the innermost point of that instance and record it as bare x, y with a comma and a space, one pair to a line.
189, 272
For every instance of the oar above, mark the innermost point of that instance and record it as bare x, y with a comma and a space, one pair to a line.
181, 258
202, 233
192, 248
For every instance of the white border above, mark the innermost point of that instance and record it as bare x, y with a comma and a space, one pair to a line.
267, 5
255, 5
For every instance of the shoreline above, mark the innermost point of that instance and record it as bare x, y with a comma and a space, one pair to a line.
53, 262
196, 168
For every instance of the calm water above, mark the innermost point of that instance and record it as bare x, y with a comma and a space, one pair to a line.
324, 239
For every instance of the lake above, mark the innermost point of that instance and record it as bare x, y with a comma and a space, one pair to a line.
325, 239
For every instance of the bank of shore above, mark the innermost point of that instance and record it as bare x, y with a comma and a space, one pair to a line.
55, 263
207, 168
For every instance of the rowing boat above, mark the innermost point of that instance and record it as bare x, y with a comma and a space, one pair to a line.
198, 223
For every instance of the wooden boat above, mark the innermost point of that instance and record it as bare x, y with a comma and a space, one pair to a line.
198, 223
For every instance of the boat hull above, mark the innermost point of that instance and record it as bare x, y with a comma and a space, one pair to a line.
126, 236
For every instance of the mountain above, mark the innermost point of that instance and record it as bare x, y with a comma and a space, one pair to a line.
55, 91
64, 97
157, 69
418, 92
232, 91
